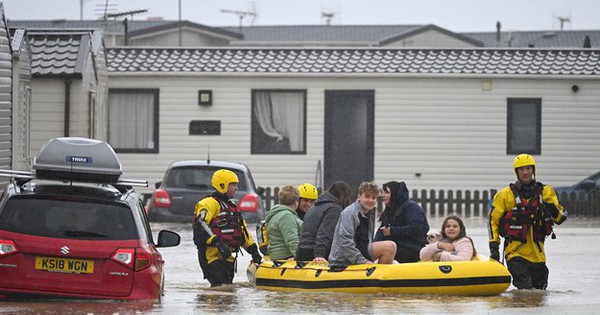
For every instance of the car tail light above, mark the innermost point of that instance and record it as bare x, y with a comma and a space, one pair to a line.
142, 260
161, 199
249, 203
124, 256
136, 260
7, 247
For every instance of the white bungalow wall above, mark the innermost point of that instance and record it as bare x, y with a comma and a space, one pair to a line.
449, 130
48, 108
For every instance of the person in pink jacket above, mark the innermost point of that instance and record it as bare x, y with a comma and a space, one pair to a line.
454, 245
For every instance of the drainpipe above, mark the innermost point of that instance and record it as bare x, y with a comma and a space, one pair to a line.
67, 106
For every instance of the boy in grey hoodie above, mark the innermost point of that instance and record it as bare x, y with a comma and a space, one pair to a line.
353, 238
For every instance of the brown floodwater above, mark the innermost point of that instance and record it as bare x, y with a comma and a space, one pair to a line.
573, 286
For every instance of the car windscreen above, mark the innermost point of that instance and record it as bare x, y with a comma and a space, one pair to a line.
68, 217
199, 178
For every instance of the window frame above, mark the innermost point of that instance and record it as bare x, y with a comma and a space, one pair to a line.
155, 132
512, 102
304, 93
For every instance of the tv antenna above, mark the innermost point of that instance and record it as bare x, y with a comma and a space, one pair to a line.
327, 16
125, 13
242, 14
563, 17
563, 20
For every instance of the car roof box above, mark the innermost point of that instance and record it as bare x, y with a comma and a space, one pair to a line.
79, 159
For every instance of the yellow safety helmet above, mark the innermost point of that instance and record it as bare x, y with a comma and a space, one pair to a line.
523, 160
222, 178
308, 191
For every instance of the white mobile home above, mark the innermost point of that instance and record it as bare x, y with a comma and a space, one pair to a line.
6, 104
436, 118
69, 85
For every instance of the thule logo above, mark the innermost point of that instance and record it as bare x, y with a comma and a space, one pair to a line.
79, 159
64, 250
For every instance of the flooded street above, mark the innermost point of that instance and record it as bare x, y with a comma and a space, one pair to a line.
573, 286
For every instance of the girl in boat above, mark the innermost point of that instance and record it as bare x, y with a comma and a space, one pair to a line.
454, 245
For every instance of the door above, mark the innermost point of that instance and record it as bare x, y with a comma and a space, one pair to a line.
349, 137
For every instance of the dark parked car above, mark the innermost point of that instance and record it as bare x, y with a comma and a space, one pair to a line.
187, 182
74, 229
585, 185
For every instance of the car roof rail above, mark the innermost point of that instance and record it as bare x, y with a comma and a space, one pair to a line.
25, 176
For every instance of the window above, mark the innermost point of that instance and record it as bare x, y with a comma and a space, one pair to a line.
279, 122
200, 178
133, 120
524, 126
68, 217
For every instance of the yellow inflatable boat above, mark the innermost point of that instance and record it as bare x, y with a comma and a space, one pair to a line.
480, 276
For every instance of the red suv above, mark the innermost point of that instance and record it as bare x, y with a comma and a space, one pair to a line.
75, 230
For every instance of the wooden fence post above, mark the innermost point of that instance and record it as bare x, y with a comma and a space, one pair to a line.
432, 203
441, 202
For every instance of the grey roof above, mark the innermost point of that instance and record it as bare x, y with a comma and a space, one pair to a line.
188, 24
58, 53
362, 35
538, 39
357, 61
322, 33
329, 35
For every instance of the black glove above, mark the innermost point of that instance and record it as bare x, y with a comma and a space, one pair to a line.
253, 250
552, 209
494, 251
224, 250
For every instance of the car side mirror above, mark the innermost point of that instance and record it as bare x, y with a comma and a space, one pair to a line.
260, 191
587, 184
157, 184
168, 238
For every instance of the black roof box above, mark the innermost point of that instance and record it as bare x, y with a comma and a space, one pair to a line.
79, 159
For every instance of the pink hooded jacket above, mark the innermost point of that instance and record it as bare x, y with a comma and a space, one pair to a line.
463, 250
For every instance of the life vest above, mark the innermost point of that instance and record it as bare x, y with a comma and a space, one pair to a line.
261, 237
527, 214
228, 225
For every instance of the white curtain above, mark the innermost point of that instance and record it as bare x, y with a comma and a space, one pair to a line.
288, 117
281, 115
263, 113
131, 117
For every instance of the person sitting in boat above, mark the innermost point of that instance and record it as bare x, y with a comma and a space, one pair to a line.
353, 237
454, 245
283, 225
319, 223
403, 221
308, 195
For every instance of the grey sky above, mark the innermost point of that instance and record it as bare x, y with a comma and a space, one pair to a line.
455, 15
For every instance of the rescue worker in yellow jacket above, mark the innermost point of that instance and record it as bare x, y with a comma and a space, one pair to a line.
524, 214
308, 196
219, 230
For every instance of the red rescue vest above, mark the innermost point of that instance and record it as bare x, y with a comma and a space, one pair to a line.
228, 225
527, 214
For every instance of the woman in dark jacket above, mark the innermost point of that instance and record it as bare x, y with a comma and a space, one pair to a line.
320, 221
402, 221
